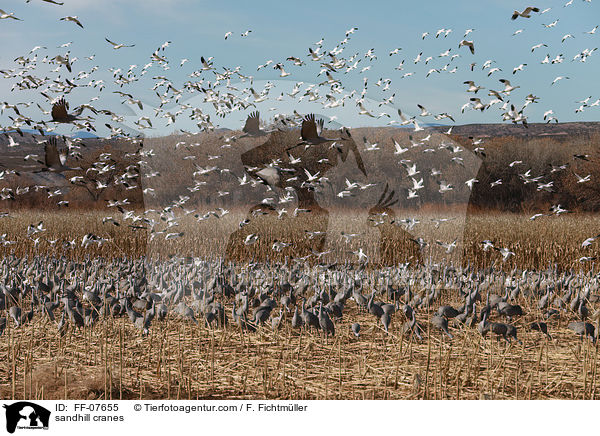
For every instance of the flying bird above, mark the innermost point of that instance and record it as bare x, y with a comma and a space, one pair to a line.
54, 162
525, 14
118, 46
59, 112
252, 126
73, 19
465, 43
5, 15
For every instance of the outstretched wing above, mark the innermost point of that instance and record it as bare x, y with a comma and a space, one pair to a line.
357, 156
309, 128
320, 123
52, 157
59, 110
252, 125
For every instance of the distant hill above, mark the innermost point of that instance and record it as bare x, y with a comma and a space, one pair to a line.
84, 135
81, 134
533, 130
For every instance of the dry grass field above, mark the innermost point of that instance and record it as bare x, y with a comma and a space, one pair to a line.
179, 359
548, 241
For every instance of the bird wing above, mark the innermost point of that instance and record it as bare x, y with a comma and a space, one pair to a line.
63, 158
357, 156
110, 42
59, 110
309, 128
252, 123
320, 123
52, 157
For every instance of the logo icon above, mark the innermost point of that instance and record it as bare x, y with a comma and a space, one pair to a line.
26, 415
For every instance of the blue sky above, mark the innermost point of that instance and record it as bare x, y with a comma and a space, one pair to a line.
282, 29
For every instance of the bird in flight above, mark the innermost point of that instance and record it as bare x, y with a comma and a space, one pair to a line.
525, 14
252, 126
311, 130
54, 162
465, 43
59, 112
4, 15
118, 46
73, 19
49, 1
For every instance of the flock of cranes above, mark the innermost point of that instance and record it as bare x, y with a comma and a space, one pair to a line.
256, 297
401, 301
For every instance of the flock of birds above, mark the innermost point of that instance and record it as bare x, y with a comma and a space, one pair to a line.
297, 296
213, 294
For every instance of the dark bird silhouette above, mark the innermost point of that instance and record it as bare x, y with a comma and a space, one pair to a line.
582, 328
60, 112
308, 318
252, 126
311, 131
325, 322
15, 314
441, 323
374, 308
540, 327
447, 312
507, 331
296, 319
53, 161
509, 310
386, 320
412, 326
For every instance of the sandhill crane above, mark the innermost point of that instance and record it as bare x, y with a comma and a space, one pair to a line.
461, 317
60, 112
447, 311
325, 322
252, 126
54, 162
311, 131
412, 326
186, 312
582, 328
540, 327
296, 319
62, 325
261, 314
386, 320
240, 319
441, 323
15, 314
509, 310
308, 318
